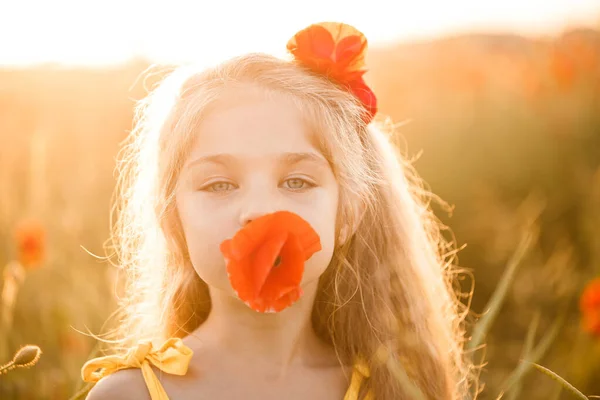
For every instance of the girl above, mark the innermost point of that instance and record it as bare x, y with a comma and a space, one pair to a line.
245, 151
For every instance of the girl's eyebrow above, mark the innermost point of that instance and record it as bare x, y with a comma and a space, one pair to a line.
288, 158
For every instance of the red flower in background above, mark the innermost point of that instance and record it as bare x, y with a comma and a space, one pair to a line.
30, 238
589, 305
337, 51
563, 68
265, 260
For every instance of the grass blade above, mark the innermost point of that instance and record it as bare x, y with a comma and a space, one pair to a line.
536, 354
562, 381
495, 304
516, 376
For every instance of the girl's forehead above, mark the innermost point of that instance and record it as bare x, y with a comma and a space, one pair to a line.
252, 123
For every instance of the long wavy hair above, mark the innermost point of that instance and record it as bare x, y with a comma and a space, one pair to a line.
389, 296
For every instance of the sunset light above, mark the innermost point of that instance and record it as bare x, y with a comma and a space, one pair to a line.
90, 33
445, 245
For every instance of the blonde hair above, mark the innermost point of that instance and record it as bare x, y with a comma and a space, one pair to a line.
386, 298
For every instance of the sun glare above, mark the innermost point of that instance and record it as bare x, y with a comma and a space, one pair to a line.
92, 33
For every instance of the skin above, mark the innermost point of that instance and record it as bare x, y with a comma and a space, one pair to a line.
238, 352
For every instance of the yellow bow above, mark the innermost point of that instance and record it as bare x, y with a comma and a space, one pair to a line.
173, 357
359, 374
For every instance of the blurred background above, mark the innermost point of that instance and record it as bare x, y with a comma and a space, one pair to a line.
499, 104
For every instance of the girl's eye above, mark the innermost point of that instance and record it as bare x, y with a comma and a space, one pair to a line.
217, 187
298, 184
223, 186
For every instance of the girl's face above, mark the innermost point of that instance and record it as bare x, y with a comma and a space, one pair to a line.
253, 155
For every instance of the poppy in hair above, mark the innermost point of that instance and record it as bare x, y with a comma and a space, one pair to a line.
337, 51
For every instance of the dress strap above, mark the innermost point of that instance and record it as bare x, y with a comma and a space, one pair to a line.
359, 374
173, 357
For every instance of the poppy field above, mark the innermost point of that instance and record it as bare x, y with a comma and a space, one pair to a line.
504, 129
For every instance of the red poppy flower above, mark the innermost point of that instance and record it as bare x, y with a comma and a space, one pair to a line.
589, 304
31, 243
337, 51
265, 260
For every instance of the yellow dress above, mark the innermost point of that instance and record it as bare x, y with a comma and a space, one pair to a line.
173, 357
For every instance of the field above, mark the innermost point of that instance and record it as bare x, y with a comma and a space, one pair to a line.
504, 128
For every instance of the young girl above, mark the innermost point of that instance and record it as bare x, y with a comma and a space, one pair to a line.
281, 155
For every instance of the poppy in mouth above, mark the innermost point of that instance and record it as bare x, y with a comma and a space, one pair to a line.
265, 260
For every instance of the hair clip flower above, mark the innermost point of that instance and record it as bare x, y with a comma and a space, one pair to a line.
337, 51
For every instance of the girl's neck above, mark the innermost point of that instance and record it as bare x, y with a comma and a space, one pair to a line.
279, 340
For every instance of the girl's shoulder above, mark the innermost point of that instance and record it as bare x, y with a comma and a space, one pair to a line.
125, 384
119, 376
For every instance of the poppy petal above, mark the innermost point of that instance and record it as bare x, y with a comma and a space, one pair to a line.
314, 42
591, 323
309, 239
289, 298
590, 298
366, 96
349, 52
288, 274
30, 238
264, 260
247, 239
240, 278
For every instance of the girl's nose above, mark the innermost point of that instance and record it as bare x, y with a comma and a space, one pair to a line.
250, 216
256, 208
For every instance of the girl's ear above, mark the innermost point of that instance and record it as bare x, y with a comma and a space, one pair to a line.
343, 235
346, 232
